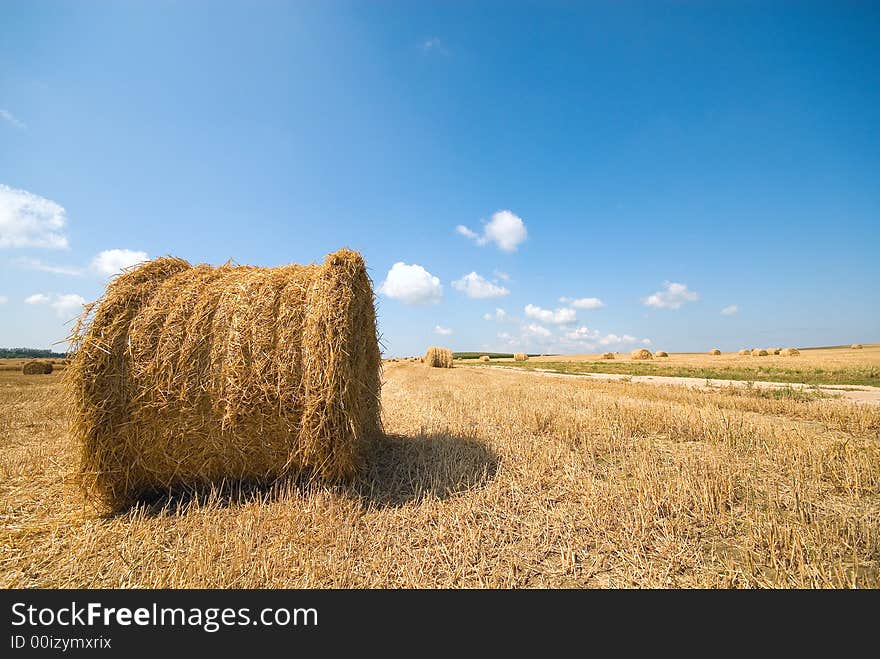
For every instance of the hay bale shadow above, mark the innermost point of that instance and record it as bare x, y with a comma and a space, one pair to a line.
399, 470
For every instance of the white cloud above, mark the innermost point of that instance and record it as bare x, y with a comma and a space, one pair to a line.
442, 331
113, 261
585, 303
37, 264
672, 296
500, 274
69, 305
411, 284
729, 311
36, 298
533, 329
505, 229
557, 317
6, 115
589, 338
28, 220
434, 45
646, 342
476, 286
500, 315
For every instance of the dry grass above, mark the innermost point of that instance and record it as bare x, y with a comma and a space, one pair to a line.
438, 357
185, 376
485, 479
641, 353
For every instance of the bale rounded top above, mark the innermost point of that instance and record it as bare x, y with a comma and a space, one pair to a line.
715, 351
790, 352
661, 353
35, 367
641, 353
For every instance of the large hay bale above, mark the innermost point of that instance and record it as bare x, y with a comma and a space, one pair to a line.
661, 353
520, 357
856, 346
744, 351
641, 353
607, 355
485, 358
714, 352
759, 352
190, 375
35, 367
775, 351
439, 357
790, 352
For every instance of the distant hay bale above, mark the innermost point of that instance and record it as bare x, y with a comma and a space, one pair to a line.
37, 368
856, 346
661, 353
744, 351
191, 375
520, 357
485, 358
641, 353
438, 357
775, 351
759, 352
607, 355
790, 352
714, 352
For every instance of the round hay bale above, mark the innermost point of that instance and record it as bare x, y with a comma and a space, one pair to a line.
856, 346
714, 352
759, 352
520, 357
485, 358
36, 367
744, 351
641, 353
607, 355
191, 375
775, 351
790, 352
661, 353
439, 357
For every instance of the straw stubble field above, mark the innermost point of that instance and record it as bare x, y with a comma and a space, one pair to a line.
484, 478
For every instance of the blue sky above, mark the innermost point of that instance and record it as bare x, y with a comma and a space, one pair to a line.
670, 160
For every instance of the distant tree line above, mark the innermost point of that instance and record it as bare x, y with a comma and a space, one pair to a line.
30, 353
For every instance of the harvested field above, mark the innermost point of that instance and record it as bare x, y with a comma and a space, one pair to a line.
486, 478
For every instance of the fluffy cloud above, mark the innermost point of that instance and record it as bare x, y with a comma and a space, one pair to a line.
585, 303
505, 229
729, 311
672, 296
500, 274
68, 306
589, 338
500, 315
28, 220
36, 298
557, 317
411, 284
442, 331
475, 286
113, 261
533, 329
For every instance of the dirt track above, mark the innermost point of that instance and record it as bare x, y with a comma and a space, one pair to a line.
853, 393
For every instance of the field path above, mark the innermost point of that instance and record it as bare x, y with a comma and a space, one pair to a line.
853, 393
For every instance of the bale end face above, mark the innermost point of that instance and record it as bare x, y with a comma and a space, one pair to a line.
37, 368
